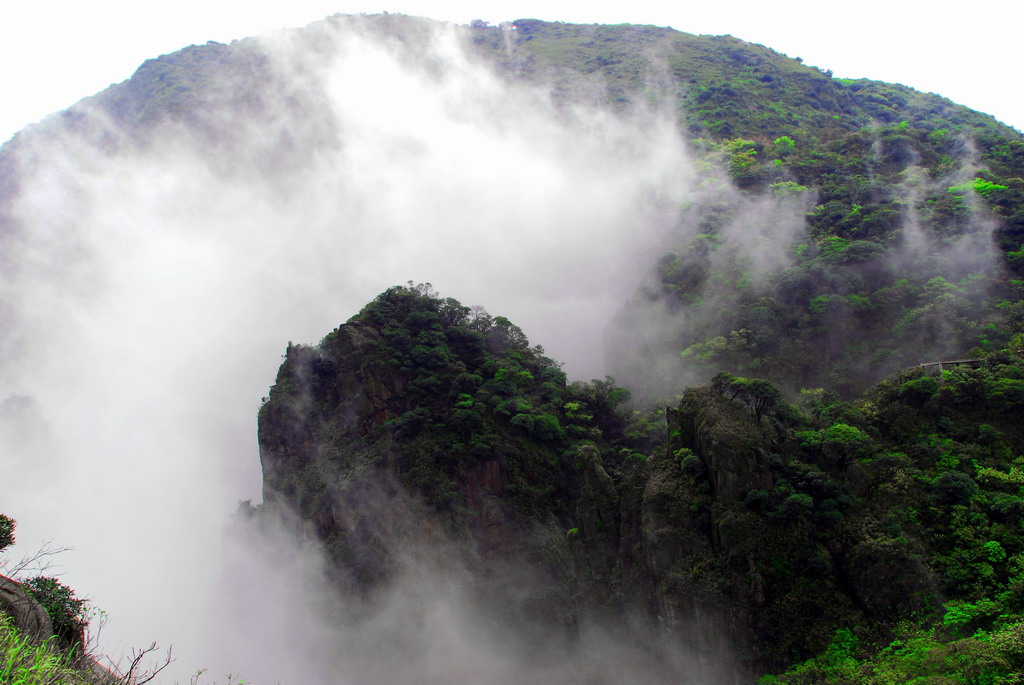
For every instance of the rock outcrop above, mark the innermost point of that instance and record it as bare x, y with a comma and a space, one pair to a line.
416, 433
33, 622
29, 616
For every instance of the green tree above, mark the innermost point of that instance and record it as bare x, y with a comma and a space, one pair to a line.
783, 146
66, 611
760, 395
7, 525
918, 391
840, 443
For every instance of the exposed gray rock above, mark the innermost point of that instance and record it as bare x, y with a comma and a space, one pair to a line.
30, 618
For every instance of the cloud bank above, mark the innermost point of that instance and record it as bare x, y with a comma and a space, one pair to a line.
150, 289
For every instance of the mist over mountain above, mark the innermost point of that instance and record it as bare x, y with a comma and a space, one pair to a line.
444, 501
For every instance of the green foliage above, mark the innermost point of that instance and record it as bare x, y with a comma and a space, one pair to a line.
918, 655
919, 390
759, 395
839, 444
939, 470
66, 611
911, 494
833, 246
453, 388
787, 189
733, 89
959, 614
793, 507
917, 480
784, 145
691, 464
954, 487
743, 159
877, 157
981, 186
849, 309
7, 525
546, 427
994, 551
23, 662
924, 473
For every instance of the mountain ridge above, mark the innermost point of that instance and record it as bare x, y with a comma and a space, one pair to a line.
738, 532
787, 492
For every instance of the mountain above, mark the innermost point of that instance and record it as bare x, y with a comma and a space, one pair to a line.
874, 227
739, 532
807, 290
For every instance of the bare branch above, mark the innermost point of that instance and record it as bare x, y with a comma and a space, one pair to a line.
36, 564
96, 620
135, 675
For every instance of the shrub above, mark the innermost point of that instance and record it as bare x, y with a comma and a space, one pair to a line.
466, 421
840, 443
546, 427
66, 611
691, 464
523, 421
7, 525
967, 613
954, 487
756, 500
793, 507
919, 391
1007, 507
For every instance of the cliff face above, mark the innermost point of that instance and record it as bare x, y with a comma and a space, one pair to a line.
742, 536
420, 432
416, 434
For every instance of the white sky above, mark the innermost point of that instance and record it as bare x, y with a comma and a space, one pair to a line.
54, 53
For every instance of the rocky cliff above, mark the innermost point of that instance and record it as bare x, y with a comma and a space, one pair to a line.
420, 432
742, 535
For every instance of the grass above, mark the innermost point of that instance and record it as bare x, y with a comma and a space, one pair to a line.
25, 663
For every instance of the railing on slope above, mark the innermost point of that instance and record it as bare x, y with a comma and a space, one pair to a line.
939, 367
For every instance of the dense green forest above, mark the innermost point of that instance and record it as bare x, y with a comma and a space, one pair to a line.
907, 210
879, 539
839, 229
848, 524
909, 253
807, 464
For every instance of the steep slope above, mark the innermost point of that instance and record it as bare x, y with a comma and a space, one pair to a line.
868, 251
722, 86
832, 232
421, 437
838, 230
743, 538
879, 226
42, 629
420, 434
422, 421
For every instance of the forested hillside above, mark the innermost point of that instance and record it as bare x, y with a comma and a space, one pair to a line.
805, 463
743, 535
838, 230
877, 227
